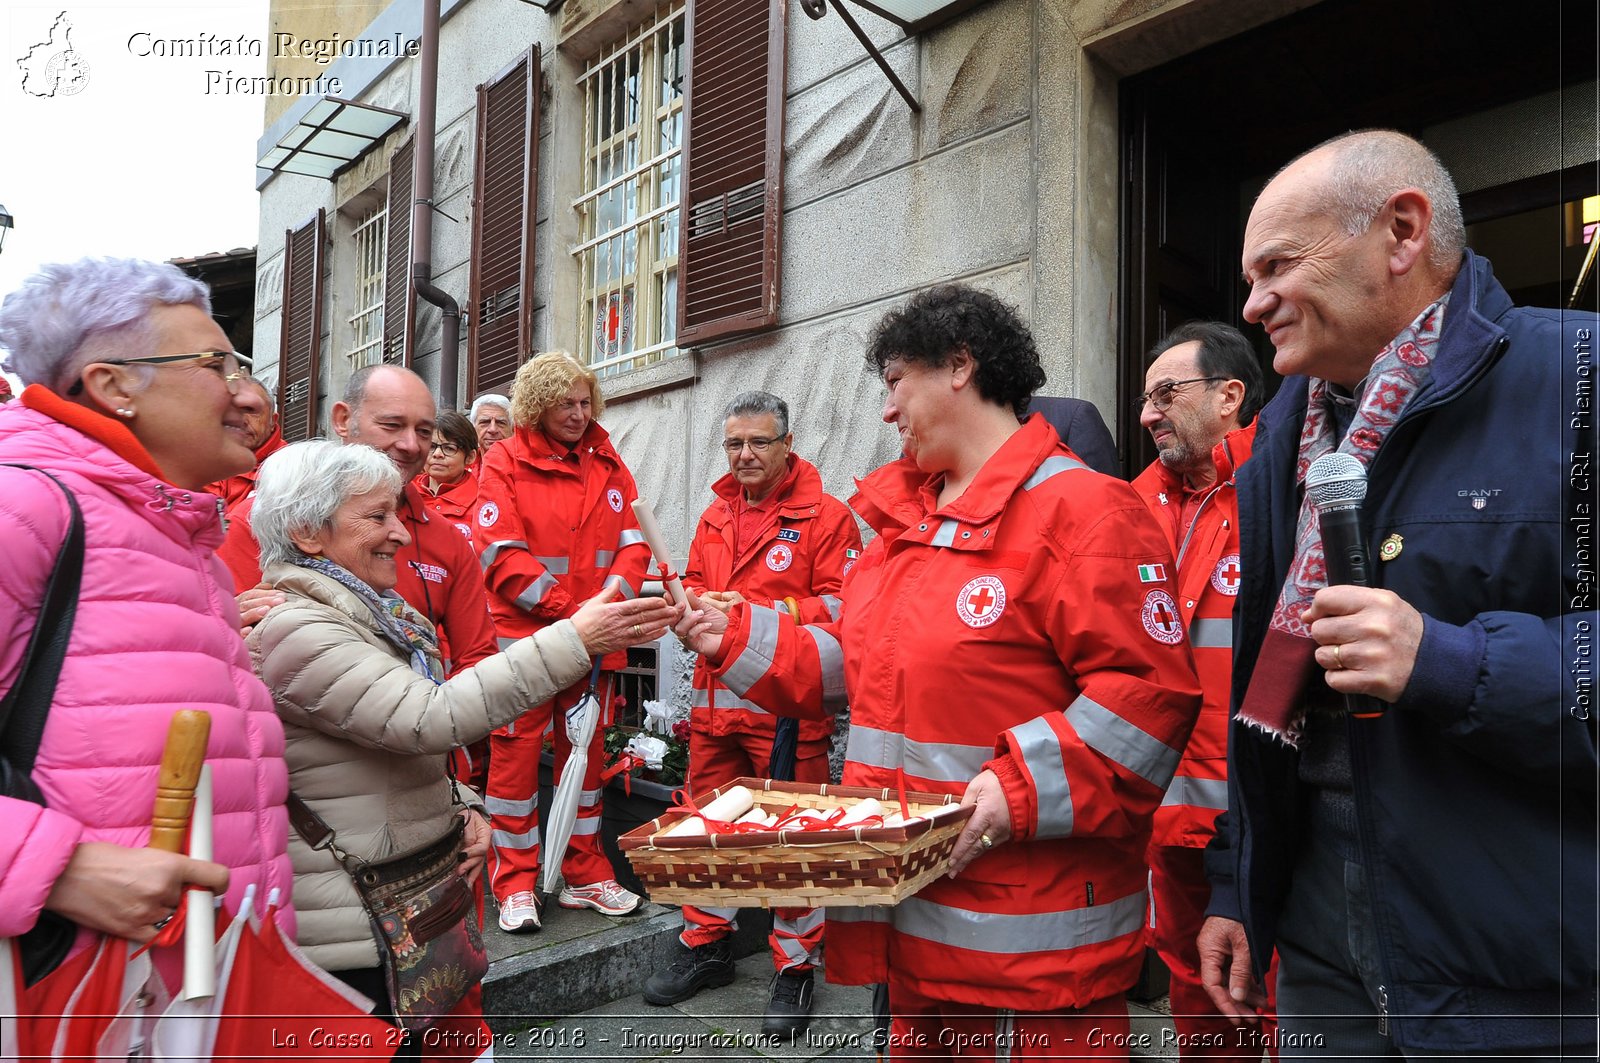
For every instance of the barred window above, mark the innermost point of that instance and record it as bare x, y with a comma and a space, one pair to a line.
366, 323
632, 177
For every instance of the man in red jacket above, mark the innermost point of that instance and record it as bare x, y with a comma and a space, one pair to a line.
554, 527
391, 409
1202, 391
261, 421
771, 537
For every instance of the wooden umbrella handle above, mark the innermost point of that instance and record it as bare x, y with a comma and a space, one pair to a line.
180, 772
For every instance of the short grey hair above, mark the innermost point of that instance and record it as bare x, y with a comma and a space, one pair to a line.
301, 486
267, 389
70, 314
1370, 165
489, 400
755, 403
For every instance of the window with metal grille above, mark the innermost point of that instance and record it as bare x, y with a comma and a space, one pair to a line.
372, 253
632, 176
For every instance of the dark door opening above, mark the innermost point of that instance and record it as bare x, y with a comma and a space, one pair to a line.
1202, 134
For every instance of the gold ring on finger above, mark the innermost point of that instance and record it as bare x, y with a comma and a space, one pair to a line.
638, 632
986, 841
1338, 661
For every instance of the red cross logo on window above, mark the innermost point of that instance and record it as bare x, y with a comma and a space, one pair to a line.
981, 601
1226, 578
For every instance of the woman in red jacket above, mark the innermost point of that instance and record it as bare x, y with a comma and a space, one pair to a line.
554, 528
449, 486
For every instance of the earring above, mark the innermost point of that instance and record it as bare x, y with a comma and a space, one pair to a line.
122, 412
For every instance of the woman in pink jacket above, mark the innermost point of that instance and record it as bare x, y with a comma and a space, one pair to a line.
132, 405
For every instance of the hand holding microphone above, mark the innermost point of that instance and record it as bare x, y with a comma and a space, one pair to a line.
1367, 638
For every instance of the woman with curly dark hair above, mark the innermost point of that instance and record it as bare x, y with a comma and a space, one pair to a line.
1010, 637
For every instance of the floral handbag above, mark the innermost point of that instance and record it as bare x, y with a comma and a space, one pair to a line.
422, 916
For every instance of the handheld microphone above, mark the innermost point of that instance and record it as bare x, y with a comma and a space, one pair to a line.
1337, 484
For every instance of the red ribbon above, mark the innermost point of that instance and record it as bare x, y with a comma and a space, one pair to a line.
171, 931
623, 765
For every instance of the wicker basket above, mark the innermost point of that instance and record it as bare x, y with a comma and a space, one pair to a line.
811, 869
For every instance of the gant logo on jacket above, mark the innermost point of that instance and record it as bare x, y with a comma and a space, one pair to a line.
981, 601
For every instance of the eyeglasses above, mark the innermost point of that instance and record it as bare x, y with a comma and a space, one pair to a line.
757, 445
234, 368
449, 450
1161, 395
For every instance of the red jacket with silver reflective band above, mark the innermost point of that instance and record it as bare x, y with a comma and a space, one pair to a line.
1208, 583
437, 576
1010, 630
804, 555
553, 526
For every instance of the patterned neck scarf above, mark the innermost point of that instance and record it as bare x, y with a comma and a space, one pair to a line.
1275, 699
411, 638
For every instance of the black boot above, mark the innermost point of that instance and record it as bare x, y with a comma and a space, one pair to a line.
789, 1010
691, 970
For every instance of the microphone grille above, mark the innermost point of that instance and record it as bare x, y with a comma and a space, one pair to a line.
1336, 479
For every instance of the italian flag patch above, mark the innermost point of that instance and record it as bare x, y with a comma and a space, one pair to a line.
1152, 573
852, 554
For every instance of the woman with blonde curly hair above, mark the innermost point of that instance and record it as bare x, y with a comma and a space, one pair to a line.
554, 526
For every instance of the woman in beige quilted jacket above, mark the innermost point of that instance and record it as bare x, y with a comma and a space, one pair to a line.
353, 669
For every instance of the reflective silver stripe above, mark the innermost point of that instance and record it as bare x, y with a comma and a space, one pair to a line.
629, 537
536, 591
1016, 935
588, 798
556, 566
1202, 793
1005, 1021
506, 644
752, 663
807, 921
1214, 633
928, 760
831, 658
624, 588
946, 535
504, 839
500, 806
726, 699
1111, 736
603, 558
835, 606
1040, 748
586, 825
1051, 467
492, 551
842, 914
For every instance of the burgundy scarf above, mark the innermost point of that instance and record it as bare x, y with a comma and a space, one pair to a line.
1275, 700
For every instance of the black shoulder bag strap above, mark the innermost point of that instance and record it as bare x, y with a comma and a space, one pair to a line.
24, 710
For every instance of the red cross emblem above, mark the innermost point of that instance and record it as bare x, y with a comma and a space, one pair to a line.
981, 601
1160, 618
1226, 578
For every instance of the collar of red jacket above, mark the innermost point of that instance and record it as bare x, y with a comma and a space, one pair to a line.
800, 490
534, 446
1226, 457
97, 426
900, 494
273, 444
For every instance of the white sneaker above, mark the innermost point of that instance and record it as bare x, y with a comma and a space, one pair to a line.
607, 898
519, 913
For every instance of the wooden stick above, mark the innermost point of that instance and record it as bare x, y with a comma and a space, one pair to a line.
185, 752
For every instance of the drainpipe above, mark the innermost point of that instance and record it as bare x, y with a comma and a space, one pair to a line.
422, 210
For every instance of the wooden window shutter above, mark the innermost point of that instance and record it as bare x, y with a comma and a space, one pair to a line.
503, 214
300, 336
732, 203
399, 294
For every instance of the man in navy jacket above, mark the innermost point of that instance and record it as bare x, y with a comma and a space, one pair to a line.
1427, 874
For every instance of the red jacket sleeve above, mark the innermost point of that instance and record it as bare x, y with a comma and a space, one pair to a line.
239, 549
694, 574
466, 611
1101, 766
838, 543
510, 569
